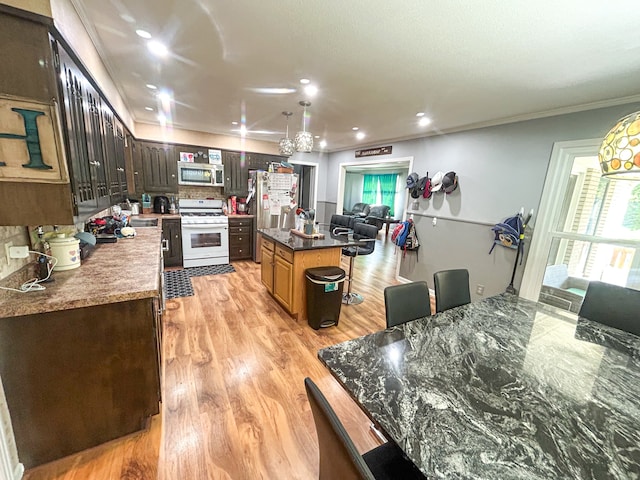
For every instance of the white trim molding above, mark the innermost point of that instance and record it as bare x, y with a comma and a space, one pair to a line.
555, 185
342, 170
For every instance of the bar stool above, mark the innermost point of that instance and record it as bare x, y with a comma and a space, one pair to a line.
367, 234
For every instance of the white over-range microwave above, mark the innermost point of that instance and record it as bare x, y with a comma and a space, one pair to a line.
203, 174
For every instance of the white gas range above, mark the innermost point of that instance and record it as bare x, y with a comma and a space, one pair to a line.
205, 233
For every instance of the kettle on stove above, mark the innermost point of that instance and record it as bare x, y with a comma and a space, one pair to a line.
161, 204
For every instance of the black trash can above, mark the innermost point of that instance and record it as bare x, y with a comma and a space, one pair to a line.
324, 295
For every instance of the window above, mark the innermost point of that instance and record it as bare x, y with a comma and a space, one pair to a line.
590, 230
380, 190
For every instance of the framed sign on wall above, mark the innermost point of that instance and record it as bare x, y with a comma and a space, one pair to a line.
30, 142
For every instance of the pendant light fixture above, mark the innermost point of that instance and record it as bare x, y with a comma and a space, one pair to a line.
287, 147
304, 140
619, 154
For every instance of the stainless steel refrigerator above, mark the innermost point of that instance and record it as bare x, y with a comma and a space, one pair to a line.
273, 199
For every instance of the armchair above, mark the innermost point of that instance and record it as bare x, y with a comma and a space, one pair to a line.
358, 210
376, 214
561, 290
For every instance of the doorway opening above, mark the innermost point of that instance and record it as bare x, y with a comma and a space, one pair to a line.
352, 189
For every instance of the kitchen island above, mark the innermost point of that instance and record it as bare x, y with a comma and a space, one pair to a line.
286, 256
80, 360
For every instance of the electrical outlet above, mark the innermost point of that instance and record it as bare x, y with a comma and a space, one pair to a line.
7, 247
434, 221
19, 252
480, 289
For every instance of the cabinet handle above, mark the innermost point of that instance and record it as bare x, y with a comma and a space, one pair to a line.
120, 169
173, 175
240, 239
95, 163
165, 245
135, 173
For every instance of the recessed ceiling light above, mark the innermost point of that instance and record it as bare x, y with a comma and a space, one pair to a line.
420, 114
305, 81
151, 86
149, 109
311, 90
143, 33
424, 121
273, 90
157, 48
316, 136
234, 123
360, 135
164, 97
323, 143
355, 129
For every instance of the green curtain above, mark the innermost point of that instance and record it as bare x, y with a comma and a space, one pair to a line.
370, 189
388, 184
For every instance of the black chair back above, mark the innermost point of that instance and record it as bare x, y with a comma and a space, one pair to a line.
343, 223
452, 289
618, 307
362, 231
406, 302
339, 458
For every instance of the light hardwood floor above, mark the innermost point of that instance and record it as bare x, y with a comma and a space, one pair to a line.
234, 404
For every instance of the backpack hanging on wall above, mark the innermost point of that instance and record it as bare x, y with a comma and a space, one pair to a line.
405, 237
508, 232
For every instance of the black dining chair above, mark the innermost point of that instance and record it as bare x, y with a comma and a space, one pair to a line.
367, 235
406, 302
339, 458
611, 305
452, 288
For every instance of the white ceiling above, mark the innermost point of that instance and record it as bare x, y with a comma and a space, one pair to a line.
376, 63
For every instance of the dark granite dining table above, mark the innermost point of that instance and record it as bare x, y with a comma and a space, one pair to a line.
502, 388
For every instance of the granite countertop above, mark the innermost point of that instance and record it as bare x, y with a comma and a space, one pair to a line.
287, 239
114, 272
502, 388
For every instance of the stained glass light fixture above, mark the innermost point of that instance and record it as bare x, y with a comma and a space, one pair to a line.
304, 139
287, 148
619, 153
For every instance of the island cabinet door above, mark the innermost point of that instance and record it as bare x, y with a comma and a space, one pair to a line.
266, 266
283, 282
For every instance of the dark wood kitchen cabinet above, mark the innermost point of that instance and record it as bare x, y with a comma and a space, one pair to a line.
77, 378
94, 138
240, 238
262, 161
157, 163
237, 167
28, 75
172, 242
236, 173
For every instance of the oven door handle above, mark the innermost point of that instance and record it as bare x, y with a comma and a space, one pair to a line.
203, 225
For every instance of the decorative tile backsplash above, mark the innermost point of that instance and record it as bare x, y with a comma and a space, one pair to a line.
190, 191
19, 236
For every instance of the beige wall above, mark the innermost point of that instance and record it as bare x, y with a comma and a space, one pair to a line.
67, 21
41, 7
145, 131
